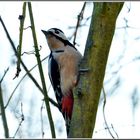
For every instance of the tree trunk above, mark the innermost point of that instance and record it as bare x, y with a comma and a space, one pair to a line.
95, 59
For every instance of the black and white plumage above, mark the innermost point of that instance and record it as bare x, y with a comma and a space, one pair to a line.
55, 74
63, 65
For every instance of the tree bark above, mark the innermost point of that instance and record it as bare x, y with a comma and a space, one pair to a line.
87, 93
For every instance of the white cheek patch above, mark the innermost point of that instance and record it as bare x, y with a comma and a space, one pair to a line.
58, 33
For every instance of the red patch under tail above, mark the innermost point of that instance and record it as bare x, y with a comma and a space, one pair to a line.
67, 107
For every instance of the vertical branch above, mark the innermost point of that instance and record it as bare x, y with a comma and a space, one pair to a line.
41, 116
41, 71
21, 18
28, 72
98, 44
4, 120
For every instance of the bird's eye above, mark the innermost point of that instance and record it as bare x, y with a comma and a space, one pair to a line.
57, 32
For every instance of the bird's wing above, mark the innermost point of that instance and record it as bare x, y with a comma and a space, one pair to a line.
54, 76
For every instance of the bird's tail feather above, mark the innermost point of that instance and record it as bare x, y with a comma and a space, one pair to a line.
67, 107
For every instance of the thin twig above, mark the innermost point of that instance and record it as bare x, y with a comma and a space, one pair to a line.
24, 66
42, 128
4, 119
27, 27
83, 24
41, 71
4, 75
51, 100
21, 121
8, 36
129, 7
104, 103
30, 52
21, 18
80, 17
107, 127
115, 131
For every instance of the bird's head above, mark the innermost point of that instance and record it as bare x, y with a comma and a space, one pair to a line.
55, 37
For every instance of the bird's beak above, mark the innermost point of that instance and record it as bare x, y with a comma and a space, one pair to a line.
45, 32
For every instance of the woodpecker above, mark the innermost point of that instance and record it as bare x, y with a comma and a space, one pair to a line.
63, 70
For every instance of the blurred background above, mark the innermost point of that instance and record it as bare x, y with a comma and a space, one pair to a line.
121, 82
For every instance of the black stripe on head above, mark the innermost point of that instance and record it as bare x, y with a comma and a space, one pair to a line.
56, 29
66, 42
70, 44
